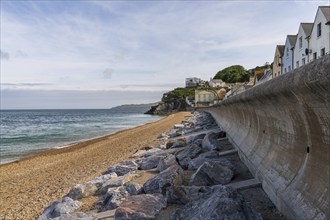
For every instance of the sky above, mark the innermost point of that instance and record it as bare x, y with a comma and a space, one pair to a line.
99, 54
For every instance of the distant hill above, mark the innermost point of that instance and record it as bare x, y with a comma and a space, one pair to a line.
135, 106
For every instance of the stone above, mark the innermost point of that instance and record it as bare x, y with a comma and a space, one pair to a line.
115, 182
211, 142
191, 139
166, 162
184, 194
98, 181
211, 173
176, 144
62, 207
219, 203
144, 206
80, 191
123, 167
134, 188
169, 177
190, 152
114, 197
150, 162
208, 156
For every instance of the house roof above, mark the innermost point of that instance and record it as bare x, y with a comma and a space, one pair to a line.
280, 49
326, 12
307, 27
292, 39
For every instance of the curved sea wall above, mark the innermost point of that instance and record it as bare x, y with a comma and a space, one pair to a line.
282, 131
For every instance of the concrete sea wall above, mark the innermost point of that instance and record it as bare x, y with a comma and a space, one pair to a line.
282, 131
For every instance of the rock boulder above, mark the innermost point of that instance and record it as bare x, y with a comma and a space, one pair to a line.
211, 173
169, 177
142, 207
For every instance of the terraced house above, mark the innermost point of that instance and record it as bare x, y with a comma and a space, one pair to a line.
310, 43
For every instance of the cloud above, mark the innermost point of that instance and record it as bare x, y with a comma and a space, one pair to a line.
20, 53
151, 86
4, 55
107, 73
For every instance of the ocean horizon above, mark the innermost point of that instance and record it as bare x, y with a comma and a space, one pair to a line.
25, 132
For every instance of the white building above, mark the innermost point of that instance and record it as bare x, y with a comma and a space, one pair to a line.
192, 82
287, 59
302, 45
320, 35
216, 83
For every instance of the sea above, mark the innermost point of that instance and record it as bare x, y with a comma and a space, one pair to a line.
26, 132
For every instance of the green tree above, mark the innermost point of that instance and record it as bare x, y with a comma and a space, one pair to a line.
233, 74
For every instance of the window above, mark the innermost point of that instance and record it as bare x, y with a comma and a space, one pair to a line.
289, 68
300, 42
319, 30
204, 96
287, 51
314, 56
297, 64
284, 70
322, 52
303, 61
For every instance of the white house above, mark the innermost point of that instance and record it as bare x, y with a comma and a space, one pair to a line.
301, 48
320, 35
216, 83
287, 59
192, 82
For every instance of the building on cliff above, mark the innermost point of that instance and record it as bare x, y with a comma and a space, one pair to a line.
204, 98
192, 82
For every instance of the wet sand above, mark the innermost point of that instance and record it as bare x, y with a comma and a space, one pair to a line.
29, 185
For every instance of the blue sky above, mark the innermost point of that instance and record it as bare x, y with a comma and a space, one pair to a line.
54, 53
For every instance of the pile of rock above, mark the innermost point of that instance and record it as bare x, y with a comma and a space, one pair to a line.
203, 195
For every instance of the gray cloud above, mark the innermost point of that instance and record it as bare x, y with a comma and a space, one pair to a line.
4, 55
25, 84
161, 85
107, 73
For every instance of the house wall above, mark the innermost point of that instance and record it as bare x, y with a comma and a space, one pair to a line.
317, 43
287, 57
277, 63
203, 97
299, 52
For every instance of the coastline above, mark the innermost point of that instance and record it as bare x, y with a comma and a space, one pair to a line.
30, 184
66, 145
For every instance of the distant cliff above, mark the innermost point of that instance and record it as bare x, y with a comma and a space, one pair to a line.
172, 101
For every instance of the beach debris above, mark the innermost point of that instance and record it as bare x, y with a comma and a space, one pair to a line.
190, 152
123, 167
211, 173
150, 162
159, 183
218, 203
60, 208
166, 162
144, 206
